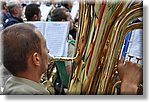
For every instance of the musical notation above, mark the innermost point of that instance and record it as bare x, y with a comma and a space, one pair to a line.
133, 50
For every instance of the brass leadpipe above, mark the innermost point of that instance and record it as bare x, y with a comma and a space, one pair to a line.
52, 58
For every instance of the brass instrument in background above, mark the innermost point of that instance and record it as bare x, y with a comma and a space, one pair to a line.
100, 76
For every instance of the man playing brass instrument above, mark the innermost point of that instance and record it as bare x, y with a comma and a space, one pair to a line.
25, 55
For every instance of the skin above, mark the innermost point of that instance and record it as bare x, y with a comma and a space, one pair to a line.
130, 75
37, 17
69, 18
37, 63
18, 11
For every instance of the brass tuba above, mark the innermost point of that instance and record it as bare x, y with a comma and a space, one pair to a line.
102, 29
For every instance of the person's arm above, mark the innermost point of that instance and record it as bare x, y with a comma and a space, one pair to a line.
131, 75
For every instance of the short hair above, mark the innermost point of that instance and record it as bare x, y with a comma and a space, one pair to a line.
31, 10
11, 4
19, 42
3, 4
58, 14
66, 3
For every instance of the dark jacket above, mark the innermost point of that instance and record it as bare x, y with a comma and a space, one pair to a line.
12, 20
5, 16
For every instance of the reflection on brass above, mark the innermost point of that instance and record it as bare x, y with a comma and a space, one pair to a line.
115, 87
103, 78
52, 58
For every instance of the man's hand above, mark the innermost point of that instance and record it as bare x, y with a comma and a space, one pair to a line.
131, 75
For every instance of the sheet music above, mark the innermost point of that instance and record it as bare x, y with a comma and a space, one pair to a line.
39, 24
56, 36
136, 45
65, 53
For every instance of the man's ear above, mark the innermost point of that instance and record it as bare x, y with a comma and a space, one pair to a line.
36, 58
34, 17
15, 10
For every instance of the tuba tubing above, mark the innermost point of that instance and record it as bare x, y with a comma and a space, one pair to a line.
52, 58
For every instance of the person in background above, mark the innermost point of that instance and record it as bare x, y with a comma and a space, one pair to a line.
67, 4
62, 14
26, 58
4, 11
33, 12
15, 10
54, 4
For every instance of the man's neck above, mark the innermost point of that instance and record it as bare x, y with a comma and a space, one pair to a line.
30, 76
17, 16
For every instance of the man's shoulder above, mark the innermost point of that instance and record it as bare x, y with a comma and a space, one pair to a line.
12, 20
17, 87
